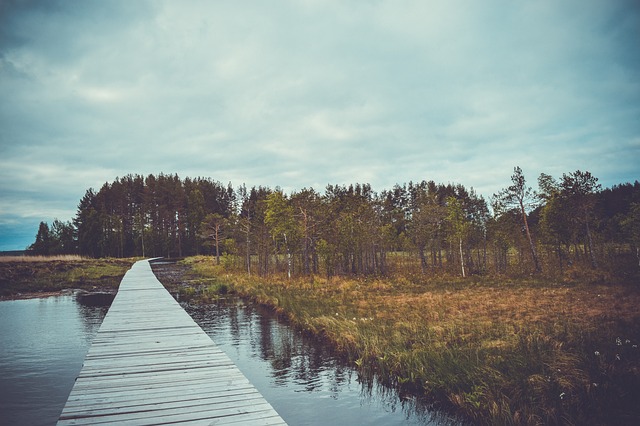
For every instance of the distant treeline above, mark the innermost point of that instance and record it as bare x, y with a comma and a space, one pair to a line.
353, 230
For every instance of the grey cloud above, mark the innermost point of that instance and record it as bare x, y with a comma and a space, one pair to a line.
309, 93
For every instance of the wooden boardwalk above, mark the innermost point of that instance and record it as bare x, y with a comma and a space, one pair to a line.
150, 363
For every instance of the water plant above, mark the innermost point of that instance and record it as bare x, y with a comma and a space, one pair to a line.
525, 351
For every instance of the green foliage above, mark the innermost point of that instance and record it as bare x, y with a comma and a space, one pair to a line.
42, 245
631, 224
518, 196
352, 230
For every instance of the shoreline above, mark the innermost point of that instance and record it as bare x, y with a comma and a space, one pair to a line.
63, 292
34, 295
469, 346
32, 279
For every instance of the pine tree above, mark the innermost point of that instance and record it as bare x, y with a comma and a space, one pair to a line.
521, 197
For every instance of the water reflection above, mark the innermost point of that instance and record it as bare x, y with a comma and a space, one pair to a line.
303, 379
43, 343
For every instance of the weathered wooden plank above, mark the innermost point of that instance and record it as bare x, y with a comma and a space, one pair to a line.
140, 388
151, 394
228, 373
210, 401
160, 383
173, 415
150, 363
157, 358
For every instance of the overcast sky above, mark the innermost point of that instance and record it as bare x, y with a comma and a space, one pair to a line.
306, 93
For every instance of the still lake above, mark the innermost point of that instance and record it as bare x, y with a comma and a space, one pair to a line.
43, 343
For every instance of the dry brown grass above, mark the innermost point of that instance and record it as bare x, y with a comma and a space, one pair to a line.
62, 257
501, 351
30, 275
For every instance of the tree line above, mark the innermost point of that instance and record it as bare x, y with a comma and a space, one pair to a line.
421, 227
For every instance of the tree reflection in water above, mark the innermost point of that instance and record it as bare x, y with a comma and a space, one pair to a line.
303, 378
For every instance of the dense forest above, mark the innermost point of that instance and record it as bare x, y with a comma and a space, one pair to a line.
423, 227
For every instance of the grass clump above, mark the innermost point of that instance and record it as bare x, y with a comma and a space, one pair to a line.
194, 279
499, 352
28, 276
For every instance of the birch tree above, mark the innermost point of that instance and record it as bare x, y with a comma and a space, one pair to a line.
459, 226
279, 218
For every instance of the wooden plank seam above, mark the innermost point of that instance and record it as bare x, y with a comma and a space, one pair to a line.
151, 364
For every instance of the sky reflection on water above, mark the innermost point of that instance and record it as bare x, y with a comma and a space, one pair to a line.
43, 343
303, 379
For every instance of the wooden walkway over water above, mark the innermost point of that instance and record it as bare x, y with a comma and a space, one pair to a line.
150, 363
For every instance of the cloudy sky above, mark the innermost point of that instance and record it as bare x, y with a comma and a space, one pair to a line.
310, 92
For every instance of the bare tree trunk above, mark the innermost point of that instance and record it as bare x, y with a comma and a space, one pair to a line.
533, 248
423, 260
559, 250
462, 258
217, 244
248, 246
591, 254
288, 256
484, 252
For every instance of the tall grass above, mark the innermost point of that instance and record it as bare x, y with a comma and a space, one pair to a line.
61, 257
500, 352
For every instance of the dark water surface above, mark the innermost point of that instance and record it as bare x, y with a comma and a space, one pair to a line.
43, 343
301, 378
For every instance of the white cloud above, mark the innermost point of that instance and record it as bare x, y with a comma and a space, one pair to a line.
308, 93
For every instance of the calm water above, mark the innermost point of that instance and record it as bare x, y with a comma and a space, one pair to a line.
304, 381
42, 345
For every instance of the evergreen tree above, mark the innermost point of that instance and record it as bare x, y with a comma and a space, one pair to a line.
87, 225
42, 245
63, 239
580, 188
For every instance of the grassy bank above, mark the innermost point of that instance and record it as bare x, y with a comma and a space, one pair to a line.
498, 351
24, 276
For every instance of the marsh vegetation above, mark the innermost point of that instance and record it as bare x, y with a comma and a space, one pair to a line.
521, 309
22, 276
498, 350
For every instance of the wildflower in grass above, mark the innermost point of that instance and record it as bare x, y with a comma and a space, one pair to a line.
597, 353
618, 341
562, 395
617, 357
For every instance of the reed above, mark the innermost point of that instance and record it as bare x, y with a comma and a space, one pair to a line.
499, 352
